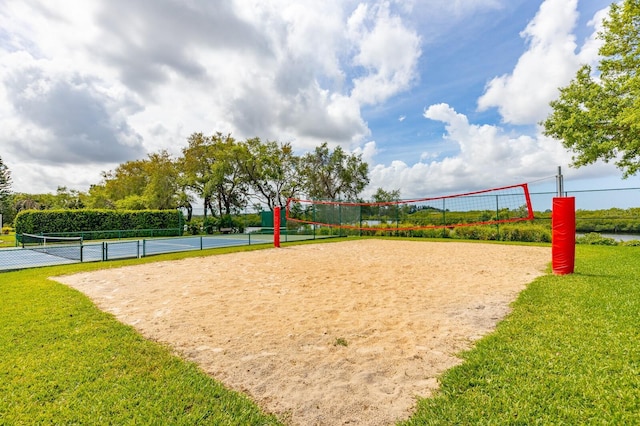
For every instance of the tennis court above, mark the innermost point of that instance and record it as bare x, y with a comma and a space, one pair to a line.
60, 254
19, 258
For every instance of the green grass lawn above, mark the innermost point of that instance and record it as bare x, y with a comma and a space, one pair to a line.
62, 361
567, 354
7, 240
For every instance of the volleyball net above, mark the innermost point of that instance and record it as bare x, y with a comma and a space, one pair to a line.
486, 207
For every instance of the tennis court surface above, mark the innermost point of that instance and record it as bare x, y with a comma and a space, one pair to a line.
60, 254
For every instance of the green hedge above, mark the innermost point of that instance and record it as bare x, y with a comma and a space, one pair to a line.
65, 222
505, 232
524, 232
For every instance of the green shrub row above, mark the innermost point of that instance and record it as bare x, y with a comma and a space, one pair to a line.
608, 225
67, 222
595, 239
509, 232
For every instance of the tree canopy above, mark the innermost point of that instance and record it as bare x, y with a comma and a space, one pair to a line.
225, 173
597, 116
333, 175
5, 187
272, 171
151, 183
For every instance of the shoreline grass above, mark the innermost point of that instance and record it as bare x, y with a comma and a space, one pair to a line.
63, 361
567, 354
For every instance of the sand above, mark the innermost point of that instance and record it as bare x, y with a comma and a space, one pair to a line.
325, 334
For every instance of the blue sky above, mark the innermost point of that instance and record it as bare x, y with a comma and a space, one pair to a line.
439, 96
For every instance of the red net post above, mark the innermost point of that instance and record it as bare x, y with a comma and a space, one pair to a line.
563, 235
276, 227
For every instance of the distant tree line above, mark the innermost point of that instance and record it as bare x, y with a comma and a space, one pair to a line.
228, 175
6, 208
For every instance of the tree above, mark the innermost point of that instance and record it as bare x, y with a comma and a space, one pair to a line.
98, 198
598, 116
161, 191
195, 166
227, 180
127, 179
151, 183
211, 167
272, 171
382, 196
67, 199
5, 190
333, 175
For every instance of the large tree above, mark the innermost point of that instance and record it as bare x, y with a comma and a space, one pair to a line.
162, 190
151, 183
597, 116
210, 167
333, 175
272, 171
227, 180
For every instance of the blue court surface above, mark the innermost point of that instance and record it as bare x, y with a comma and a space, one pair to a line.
38, 256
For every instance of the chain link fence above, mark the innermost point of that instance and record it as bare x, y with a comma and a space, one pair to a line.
60, 254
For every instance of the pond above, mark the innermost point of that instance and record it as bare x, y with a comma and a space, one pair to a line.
617, 237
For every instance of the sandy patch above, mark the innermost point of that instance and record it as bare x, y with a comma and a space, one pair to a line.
324, 334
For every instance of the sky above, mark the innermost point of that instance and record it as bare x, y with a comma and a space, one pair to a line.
438, 96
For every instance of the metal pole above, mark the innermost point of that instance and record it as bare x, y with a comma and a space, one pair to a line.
560, 182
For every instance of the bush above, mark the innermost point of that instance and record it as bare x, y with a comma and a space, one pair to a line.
194, 227
526, 233
593, 238
68, 222
483, 233
209, 225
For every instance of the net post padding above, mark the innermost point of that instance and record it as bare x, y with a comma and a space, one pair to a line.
563, 235
276, 226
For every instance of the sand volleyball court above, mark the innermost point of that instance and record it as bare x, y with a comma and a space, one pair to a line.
348, 332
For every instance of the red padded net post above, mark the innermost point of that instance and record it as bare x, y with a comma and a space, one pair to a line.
563, 235
276, 227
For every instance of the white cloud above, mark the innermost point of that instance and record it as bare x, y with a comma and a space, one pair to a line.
589, 51
481, 156
388, 52
368, 152
550, 62
485, 156
84, 86
144, 80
